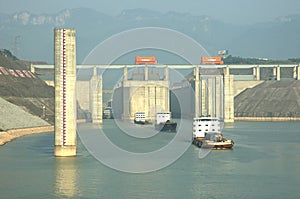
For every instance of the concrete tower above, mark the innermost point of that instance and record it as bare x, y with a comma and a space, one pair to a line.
65, 101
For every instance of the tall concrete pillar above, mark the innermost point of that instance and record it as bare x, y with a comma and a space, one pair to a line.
254, 72
211, 96
228, 99
65, 101
166, 73
226, 70
274, 71
197, 91
295, 72
167, 98
204, 93
125, 75
94, 71
257, 73
146, 73
96, 98
32, 69
219, 96
298, 72
278, 73
147, 99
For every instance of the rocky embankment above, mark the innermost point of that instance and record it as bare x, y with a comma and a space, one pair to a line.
269, 101
26, 101
7, 136
16, 122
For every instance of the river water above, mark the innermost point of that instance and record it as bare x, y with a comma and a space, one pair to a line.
265, 163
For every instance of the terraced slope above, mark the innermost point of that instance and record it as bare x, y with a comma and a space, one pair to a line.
269, 99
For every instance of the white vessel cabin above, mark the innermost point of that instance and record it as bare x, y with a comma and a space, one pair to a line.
163, 117
203, 125
140, 117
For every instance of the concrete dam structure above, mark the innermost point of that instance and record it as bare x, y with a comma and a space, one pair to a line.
141, 91
218, 101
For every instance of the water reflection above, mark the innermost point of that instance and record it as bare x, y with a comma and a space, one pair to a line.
66, 177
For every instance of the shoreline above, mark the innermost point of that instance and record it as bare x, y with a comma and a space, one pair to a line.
267, 119
10, 135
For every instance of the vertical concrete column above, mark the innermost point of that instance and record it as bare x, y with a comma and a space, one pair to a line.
166, 73
274, 71
228, 99
32, 69
295, 72
94, 71
254, 72
257, 68
218, 96
126, 92
226, 70
96, 99
167, 89
298, 72
147, 100
167, 97
204, 109
197, 90
146, 73
65, 100
210, 97
278, 73
125, 76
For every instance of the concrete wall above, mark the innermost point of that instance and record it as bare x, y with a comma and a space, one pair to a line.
83, 94
146, 96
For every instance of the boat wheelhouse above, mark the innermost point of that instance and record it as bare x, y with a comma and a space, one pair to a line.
140, 118
163, 122
203, 125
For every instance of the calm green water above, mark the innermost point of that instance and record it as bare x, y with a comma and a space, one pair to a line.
265, 163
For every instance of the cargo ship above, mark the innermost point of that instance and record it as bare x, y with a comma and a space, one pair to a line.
163, 122
207, 134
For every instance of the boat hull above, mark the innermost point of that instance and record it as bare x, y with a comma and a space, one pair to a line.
208, 144
141, 122
171, 127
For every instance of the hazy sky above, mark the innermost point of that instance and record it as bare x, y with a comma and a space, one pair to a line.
233, 11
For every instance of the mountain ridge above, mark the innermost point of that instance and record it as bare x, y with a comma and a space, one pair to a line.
277, 39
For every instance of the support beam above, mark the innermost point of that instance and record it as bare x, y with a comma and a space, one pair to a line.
32, 69
197, 91
226, 70
166, 73
298, 72
65, 102
146, 73
228, 99
274, 72
125, 74
257, 73
204, 93
96, 99
295, 72
278, 73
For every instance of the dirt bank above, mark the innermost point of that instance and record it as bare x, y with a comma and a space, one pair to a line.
271, 119
9, 135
